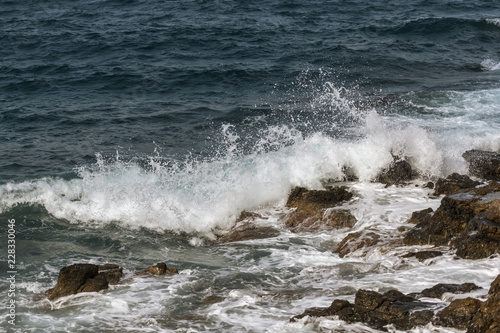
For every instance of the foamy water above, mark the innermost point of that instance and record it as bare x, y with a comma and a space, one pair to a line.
153, 209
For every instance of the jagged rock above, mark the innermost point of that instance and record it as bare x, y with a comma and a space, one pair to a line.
487, 319
469, 221
483, 164
458, 314
397, 173
112, 272
420, 216
438, 290
312, 212
454, 183
158, 269
249, 216
473, 315
85, 278
248, 231
377, 310
96, 283
355, 241
423, 255
332, 219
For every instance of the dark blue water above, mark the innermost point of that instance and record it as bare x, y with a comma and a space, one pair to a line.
134, 131
80, 77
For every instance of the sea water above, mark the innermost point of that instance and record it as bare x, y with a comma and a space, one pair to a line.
134, 132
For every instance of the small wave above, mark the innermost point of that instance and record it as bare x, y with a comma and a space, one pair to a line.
490, 64
495, 21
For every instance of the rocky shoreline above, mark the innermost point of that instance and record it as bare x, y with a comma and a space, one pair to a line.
467, 222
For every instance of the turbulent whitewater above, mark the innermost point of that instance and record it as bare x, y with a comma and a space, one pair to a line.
137, 132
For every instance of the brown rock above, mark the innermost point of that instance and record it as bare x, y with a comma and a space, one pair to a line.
97, 283
376, 310
72, 278
420, 216
355, 241
454, 183
85, 278
111, 272
458, 314
312, 212
438, 290
158, 269
213, 299
423, 255
245, 215
248, 231
487, 319
483, 164
469, 221
398, 172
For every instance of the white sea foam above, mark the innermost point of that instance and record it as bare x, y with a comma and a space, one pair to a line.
490, 64
208, 195
495, 21
203, 196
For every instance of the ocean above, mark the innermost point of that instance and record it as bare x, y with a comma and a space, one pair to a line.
134, 132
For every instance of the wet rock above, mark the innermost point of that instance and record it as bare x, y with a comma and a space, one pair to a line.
96, 283
249, 216
312, 209
248, 231
458, 314
213, 299
468, 221
423, 255
420, 216
377, 310
158, 269
487, 319
483, 164
85, 278
356, 241
440, 289
454, 183
397, 173
331, 219
111, 272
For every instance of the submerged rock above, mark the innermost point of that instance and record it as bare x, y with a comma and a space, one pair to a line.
398, 172
454, 183
423, 255
312, 209
248, 231
468, 221
483, 164
158, 269
440, 289
356, 241
85, 278
213, 299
